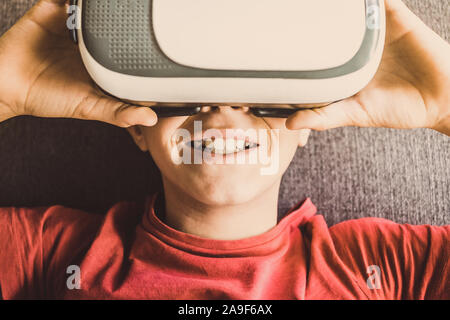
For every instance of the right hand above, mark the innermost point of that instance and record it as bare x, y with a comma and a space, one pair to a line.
42, 74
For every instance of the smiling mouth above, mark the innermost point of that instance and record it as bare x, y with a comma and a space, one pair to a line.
222, 146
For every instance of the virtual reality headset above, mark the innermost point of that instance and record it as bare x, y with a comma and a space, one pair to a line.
265, 53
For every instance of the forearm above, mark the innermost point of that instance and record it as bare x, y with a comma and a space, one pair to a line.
19, 68
6, 96
8, 84
437, 82
439, 102
443, 124
5, 112
433, 80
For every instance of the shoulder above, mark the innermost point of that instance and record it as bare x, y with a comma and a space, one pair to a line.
34, 240
409, 258
59, 224
44, 221
384, 233
36, 235
38, 244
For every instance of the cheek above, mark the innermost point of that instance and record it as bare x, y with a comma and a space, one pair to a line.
276, 123
294, 138
158, 139
289, 141
160, 135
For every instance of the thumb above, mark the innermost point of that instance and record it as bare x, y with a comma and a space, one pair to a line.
118, 113
340, 114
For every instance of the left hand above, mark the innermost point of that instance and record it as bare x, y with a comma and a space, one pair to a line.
410, 90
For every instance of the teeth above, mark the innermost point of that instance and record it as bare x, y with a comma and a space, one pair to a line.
209, 143
198, 144
221, 146
230, 145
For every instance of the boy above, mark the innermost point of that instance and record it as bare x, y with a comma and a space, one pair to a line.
213, 233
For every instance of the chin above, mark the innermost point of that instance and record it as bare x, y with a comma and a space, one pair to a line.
226, 191
221, 199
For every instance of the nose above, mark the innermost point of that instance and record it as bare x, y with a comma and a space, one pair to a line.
224, 109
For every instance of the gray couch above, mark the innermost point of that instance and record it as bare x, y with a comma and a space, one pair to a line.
349, 173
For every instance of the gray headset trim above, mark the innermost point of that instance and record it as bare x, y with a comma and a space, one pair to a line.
100, 43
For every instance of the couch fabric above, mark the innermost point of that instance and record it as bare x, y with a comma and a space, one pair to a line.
349, 173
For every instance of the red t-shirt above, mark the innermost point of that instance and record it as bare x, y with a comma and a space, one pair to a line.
131, 254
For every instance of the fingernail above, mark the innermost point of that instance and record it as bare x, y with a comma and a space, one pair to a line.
149, 122
149, 118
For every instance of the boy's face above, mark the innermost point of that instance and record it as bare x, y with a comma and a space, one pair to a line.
224, 175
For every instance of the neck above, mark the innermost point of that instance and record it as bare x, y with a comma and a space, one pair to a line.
224, 222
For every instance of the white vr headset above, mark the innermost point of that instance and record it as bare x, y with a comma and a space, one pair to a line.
279, 52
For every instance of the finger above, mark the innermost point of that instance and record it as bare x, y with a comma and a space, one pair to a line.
400, 20
50, 15
340, 114
394, 5
106, 109
304, 136
58, 2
